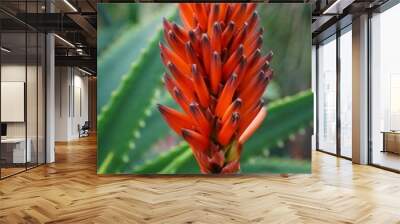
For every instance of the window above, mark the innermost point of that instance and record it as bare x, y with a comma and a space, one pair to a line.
346, 92
385, 89
327, 96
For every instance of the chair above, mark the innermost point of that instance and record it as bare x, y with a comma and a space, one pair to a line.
84, 130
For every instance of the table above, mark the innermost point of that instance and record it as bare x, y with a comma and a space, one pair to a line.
391, 141
16, 147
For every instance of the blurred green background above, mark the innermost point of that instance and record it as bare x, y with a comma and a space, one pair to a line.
132, 136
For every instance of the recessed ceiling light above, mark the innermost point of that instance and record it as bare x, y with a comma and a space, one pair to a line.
64, 40
70, 5
337, 7
84, 71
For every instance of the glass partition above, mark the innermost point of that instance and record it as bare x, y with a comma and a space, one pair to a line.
22, 77
14, 151
327, 95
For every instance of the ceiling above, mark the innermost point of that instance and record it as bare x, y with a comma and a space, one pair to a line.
330, 15
74, 22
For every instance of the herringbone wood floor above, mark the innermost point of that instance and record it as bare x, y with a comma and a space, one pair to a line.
69, 191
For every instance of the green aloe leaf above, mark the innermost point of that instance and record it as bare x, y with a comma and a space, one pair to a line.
285, 117
178, 162
164, 161
148, 135
107, 35
114, 19
275, 165
115, 61
121, 119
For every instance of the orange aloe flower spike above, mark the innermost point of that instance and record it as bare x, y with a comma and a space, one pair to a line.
215, 75
186, 13
183, 82
200, 87
212, 18
227, 33
200, 118
195, 139
249, 116
228, 128
231, 167
226, 96
180, 32
206, 52
216, 34
253, 23
192, 57
174, 58
202, 15
232, 62
250, 8
234, 107
175, 119
250, 47
239, 14
254, 125
222, 12
181, 100
217, 72
239, 38
176, 44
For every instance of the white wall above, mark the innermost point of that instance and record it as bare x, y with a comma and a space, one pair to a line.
71, 94
33, 127
16, 73
62, 81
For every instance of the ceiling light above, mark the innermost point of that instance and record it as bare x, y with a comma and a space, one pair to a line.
5, 50
65, 41
84, 71
70, 5
329, 9
338, 6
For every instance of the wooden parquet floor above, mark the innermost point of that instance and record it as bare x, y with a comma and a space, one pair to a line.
69, 191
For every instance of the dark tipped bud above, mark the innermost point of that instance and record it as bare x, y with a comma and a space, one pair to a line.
192, 35
166, 24
204, 38
270, 55
178, 92
217, 28
260, 40
231, 25
215, 55
194, 69
235, 117
185, 133
237, 103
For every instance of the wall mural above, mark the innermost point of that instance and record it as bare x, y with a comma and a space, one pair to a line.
204, 88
